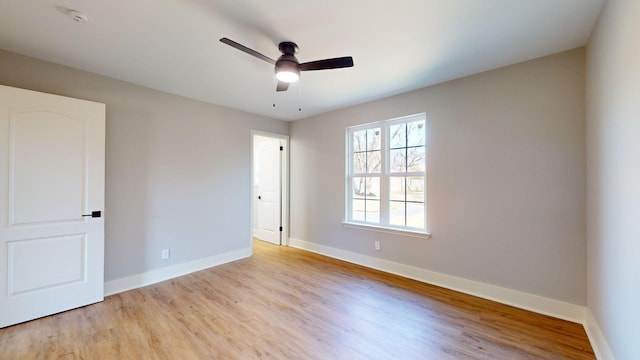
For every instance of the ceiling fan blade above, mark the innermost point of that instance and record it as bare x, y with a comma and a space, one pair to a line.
335, 63
282, 86
247, 50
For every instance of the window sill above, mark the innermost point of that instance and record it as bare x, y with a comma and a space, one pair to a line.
416, 234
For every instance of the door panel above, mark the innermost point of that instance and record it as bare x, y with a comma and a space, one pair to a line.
63, 253
38, 140
267, 220
268, 162
51, 174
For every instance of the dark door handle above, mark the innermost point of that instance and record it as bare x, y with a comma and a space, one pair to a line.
259, 197
94, 214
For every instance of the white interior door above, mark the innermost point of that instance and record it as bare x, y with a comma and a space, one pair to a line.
267, 162
51, 175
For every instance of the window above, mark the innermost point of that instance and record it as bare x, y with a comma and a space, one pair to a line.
386, 174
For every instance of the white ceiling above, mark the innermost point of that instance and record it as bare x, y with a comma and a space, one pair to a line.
397, 46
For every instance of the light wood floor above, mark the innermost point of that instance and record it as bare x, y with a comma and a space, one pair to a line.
285, 303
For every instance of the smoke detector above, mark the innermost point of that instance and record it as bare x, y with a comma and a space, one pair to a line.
77, 16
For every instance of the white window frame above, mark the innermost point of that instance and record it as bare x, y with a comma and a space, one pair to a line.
385, 175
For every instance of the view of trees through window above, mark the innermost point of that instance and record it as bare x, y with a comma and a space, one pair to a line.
367, 162
387, 173
407, 163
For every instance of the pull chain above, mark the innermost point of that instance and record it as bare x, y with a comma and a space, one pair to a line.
300, 97
299, 86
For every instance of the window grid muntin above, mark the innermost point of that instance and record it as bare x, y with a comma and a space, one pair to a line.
406, 174
368, 173
406, 179
365, 196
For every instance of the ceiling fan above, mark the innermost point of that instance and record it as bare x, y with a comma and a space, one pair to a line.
287, 67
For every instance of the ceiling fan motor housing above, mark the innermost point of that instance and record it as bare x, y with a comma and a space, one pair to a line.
287, 62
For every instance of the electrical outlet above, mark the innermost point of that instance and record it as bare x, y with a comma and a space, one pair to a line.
376, 245
165, 254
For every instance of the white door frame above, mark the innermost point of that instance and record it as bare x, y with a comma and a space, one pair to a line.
284, 187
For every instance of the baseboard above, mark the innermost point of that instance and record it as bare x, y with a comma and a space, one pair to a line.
173, 271
598, 341
535, 303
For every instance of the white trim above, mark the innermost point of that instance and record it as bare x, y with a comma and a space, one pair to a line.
151, 277
535, 303
388, 230
385, 174
598, 341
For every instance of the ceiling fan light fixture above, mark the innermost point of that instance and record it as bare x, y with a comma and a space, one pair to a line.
287, 71
288, 76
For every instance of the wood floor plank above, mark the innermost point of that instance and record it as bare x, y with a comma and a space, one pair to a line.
285, 303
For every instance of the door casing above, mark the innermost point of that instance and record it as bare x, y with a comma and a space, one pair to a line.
284, 190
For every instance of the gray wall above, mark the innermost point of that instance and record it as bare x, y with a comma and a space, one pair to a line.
506, 178
177, 170
613, 123
506, 174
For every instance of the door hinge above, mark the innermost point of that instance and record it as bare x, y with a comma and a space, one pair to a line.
280, 228
281, 148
